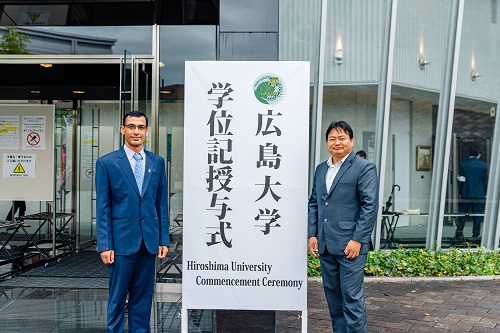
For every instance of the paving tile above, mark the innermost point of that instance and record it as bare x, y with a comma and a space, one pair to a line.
407, 306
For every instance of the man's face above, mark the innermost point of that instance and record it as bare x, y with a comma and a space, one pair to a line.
339, 144
135, 132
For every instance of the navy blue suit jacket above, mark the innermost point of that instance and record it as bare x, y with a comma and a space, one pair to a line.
349, 210
476, 179
125, 218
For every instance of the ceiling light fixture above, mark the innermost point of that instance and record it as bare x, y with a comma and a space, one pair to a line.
78, 92
46, 65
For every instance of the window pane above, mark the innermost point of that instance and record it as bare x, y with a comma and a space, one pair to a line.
418, 76
473, 125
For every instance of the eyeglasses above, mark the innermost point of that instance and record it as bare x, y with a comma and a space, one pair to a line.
132, 127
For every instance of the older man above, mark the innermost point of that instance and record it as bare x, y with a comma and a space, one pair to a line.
342, 211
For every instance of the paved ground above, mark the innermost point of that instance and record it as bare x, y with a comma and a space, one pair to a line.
393, 305
429, 305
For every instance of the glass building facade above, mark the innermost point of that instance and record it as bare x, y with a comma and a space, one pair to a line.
418, 81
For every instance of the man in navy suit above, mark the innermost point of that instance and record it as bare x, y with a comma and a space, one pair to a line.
342, 211
132, 224
472, 183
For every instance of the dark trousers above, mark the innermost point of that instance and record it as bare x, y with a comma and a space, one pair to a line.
343, 282
21, 205
475, 206
133, 275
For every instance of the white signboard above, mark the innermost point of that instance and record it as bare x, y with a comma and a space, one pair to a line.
245, 185
34, 132
19, 166
27, 152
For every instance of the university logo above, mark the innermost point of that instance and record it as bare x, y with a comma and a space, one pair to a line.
269, 89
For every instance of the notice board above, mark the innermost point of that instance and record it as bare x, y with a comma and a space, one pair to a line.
27, 152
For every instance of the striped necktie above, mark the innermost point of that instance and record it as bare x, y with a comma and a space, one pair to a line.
139, 171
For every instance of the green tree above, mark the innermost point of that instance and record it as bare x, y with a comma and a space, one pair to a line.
13, 42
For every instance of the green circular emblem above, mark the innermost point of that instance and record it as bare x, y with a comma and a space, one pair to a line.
269, 89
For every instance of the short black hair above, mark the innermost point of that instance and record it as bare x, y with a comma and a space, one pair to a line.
361, 153
134, 113
340, 125
474, 149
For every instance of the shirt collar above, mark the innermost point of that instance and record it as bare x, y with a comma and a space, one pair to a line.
130, 153
330, 162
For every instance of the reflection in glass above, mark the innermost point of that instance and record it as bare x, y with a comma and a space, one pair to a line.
419, 51
468, 171
473, 126
408, 172
89, 40
177, 45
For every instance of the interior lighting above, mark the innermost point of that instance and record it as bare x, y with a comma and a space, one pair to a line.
78, 92
46, 65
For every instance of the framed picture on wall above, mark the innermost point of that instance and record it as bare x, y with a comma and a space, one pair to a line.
424, 158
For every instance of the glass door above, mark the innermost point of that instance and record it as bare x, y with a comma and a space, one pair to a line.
88, 153
136, 88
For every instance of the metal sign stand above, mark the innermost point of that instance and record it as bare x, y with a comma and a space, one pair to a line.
184, 321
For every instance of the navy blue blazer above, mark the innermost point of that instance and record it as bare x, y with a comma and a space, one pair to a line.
476, 179
349, 210
124, 218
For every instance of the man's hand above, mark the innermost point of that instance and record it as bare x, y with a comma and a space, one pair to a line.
352, 249
313, 246
162, 252
108, 257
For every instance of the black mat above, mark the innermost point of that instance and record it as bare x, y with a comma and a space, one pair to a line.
84, 264
78, 270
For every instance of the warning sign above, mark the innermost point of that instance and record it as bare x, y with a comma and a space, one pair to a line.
19, 166
34, 132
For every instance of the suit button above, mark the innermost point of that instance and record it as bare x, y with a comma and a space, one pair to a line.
325, 220
142, 220
326, 203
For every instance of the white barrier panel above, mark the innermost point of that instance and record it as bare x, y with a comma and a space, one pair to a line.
246, 149
27, 152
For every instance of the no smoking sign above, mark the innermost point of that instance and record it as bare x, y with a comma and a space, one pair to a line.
33, 138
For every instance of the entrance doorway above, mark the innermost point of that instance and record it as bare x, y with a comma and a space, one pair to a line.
90, 95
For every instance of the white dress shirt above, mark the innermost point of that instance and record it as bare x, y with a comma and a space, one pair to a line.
332, 171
